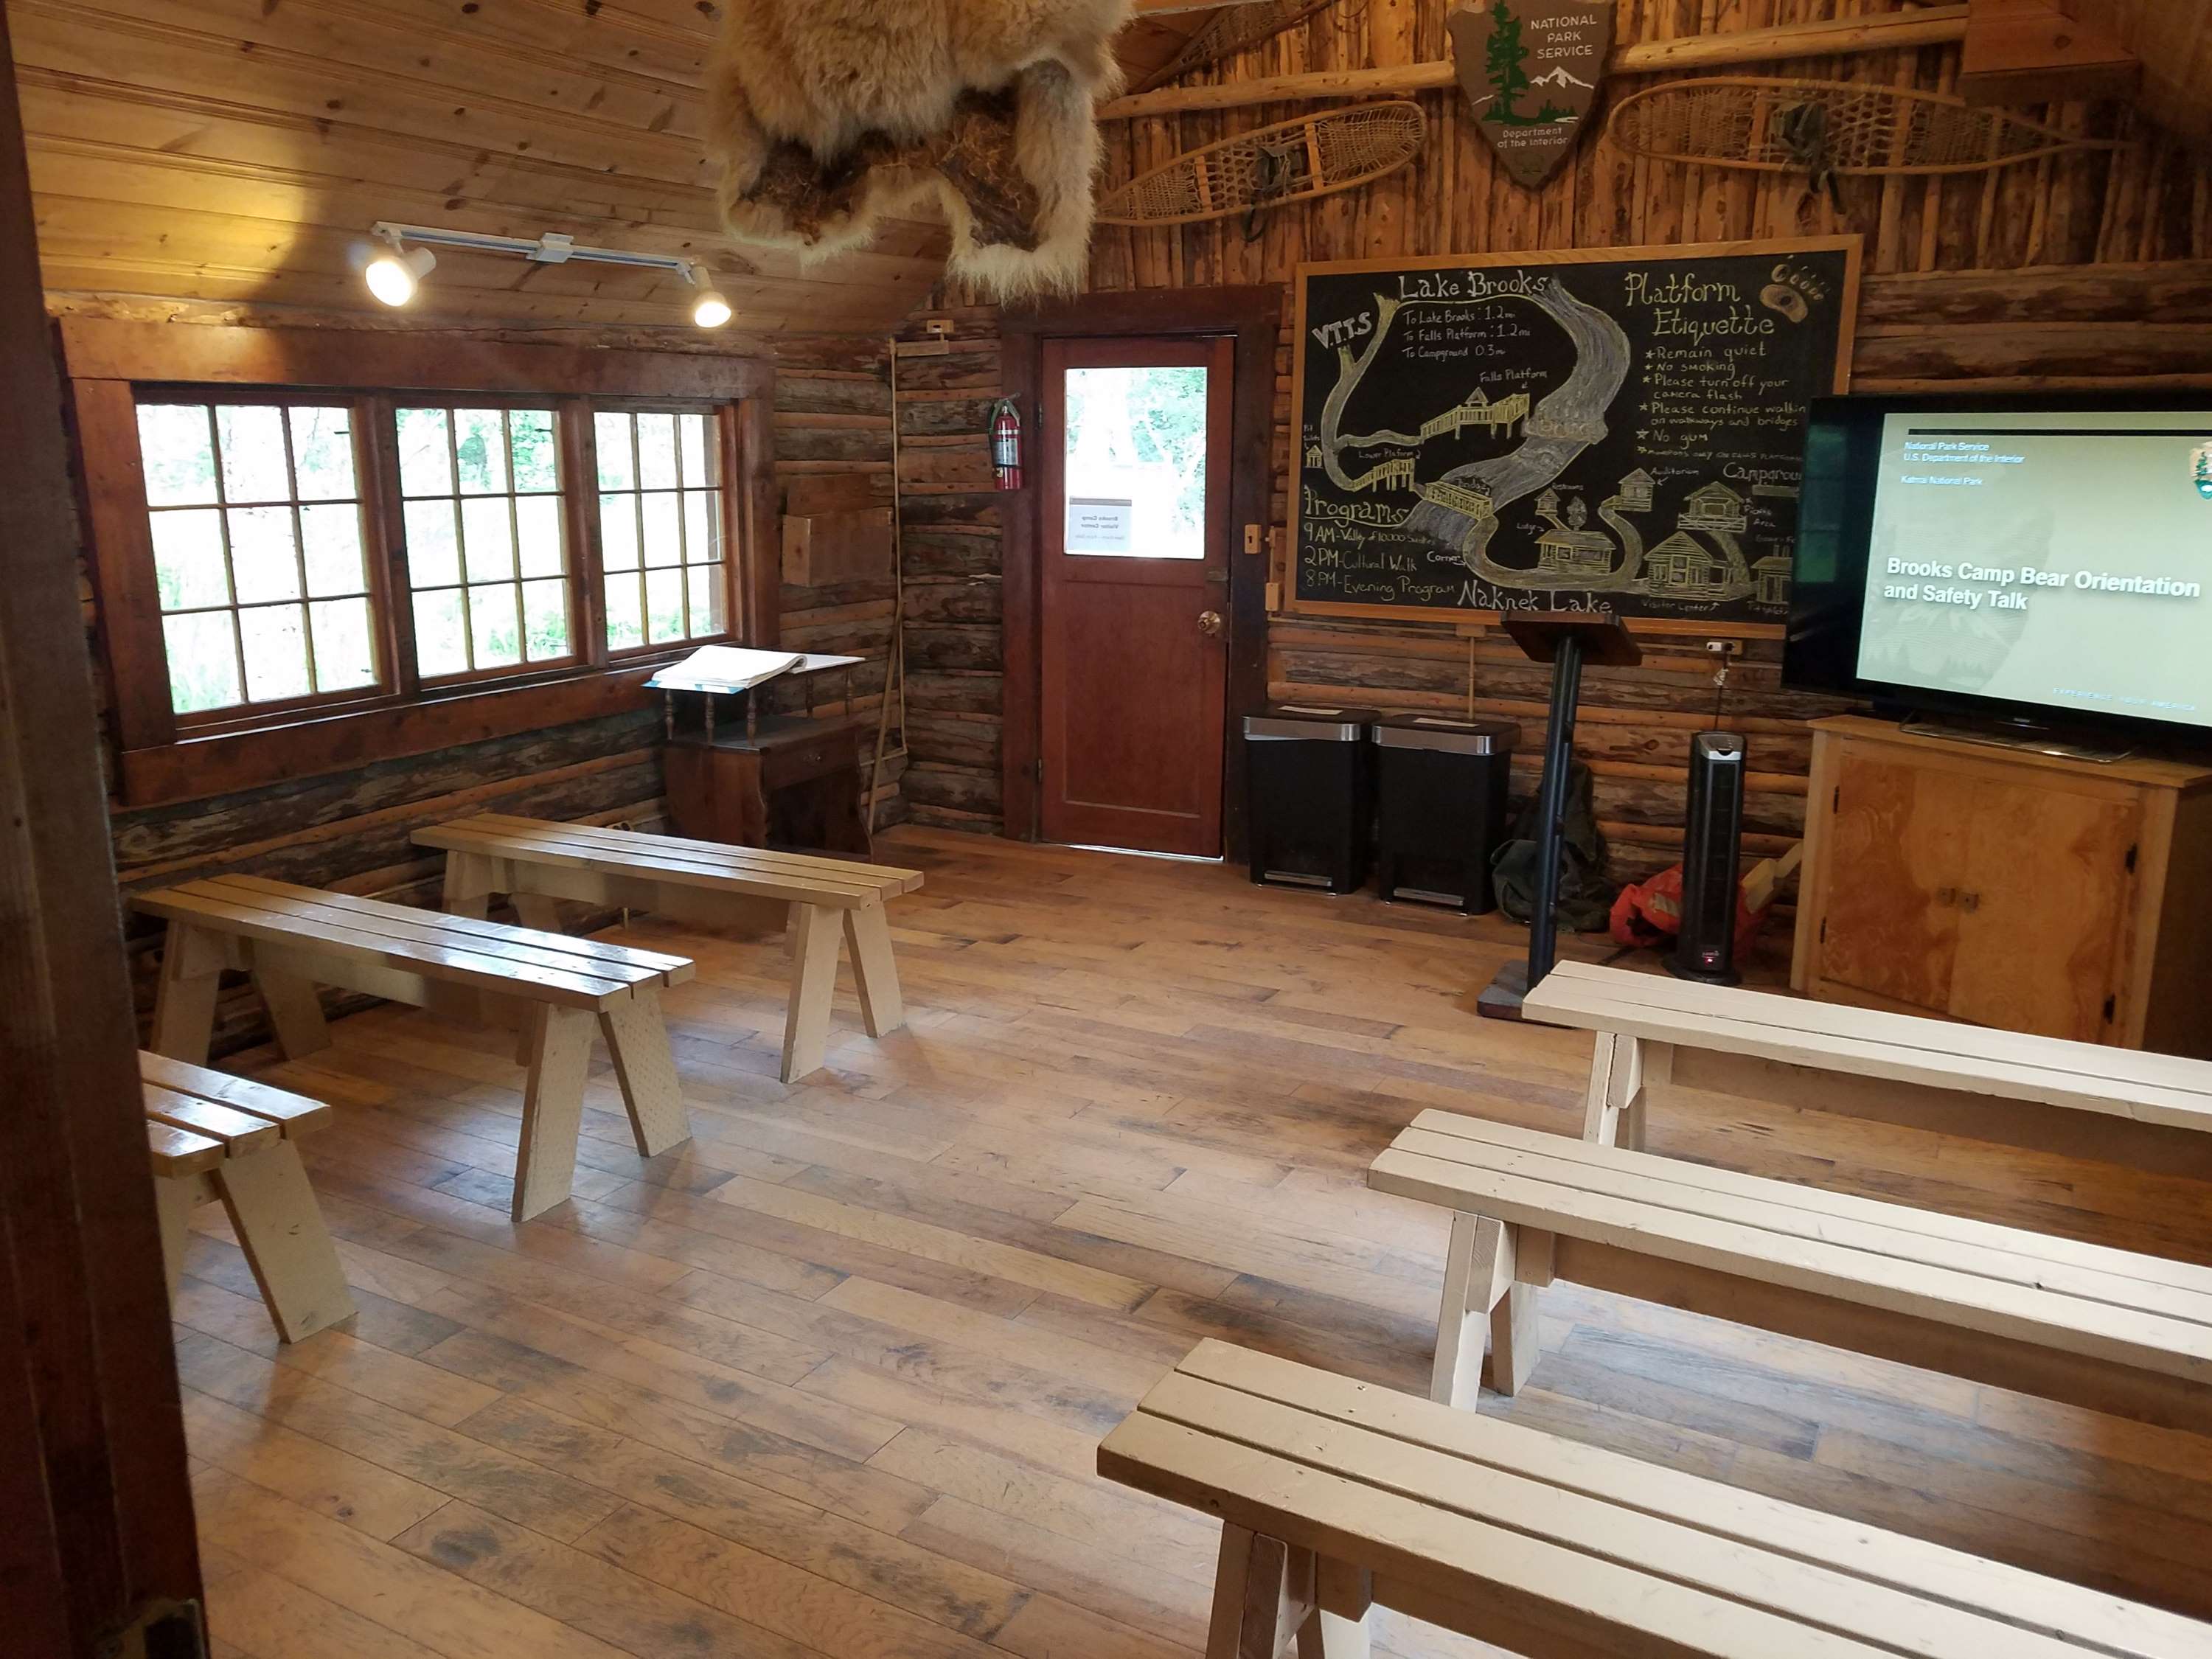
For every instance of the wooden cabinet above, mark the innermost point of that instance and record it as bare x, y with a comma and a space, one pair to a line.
2021, 891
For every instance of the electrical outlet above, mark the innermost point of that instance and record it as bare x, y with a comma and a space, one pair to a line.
1724, 649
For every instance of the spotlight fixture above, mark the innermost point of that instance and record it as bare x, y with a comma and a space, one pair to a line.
394, 275
710, 309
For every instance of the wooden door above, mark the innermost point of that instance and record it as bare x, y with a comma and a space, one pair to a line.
1133, 539
1900, 842
2039, 931
96, 1510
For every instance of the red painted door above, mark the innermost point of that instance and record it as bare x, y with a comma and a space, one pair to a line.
1134, 538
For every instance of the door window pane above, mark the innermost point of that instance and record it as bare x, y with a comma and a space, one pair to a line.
487, 540
660, 527
254, 507
1135, 455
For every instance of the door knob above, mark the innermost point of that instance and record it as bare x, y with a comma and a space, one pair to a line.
1211, 624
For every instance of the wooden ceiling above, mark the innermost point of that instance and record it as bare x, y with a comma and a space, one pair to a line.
237, 151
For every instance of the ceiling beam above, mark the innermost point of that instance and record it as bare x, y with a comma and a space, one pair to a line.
1930, 26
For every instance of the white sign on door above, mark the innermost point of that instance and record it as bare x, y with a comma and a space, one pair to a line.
1100, 526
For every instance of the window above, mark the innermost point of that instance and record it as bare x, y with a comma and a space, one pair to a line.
311, 547
486, 547
660, 527
255, 515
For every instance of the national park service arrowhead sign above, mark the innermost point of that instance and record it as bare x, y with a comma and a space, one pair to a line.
1531, 70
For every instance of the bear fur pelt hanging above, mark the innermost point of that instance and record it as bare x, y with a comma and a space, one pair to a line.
828, 116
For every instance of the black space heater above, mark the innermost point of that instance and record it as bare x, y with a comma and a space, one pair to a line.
1711, 846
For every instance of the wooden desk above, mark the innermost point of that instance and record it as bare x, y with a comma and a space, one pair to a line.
793, 780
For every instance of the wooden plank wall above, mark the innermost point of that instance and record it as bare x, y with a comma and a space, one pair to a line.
950, 528
350, 830
2088, 267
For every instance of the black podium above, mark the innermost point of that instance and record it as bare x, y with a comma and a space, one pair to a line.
1566, 640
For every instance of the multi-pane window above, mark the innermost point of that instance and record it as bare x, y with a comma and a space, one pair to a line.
660, 527
487, 547
255, 513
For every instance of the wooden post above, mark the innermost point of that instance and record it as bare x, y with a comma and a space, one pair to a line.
93, 1482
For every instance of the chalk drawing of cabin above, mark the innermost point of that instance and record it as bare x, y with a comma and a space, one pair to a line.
1714, 507
1568, 552
1773, 575
1635, 495
1681, 568
1479, 411
1458, 498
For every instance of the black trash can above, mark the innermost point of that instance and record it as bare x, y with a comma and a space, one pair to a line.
1440, 788
1309, 777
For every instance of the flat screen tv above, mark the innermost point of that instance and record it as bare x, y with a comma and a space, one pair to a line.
2045, 564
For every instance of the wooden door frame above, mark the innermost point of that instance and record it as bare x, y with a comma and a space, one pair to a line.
91, 1449
1253, 316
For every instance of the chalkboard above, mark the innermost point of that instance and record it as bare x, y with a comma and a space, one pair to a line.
1616, 430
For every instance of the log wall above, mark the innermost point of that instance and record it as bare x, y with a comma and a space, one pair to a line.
2087, 268
350, 830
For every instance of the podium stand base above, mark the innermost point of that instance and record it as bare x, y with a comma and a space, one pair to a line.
1502, 998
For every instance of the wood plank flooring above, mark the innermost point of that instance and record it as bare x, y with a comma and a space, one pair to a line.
828, 1381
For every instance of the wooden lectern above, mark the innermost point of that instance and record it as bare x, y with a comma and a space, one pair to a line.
739, 773
1566, 640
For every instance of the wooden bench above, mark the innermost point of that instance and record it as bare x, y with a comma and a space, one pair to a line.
1657, 1034
218, 1137
554, 988
2094, 1327
1337, 1497
534, 863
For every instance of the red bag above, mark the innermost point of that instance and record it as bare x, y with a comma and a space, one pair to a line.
1648, 915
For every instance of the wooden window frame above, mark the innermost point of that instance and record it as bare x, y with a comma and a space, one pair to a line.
726, 441
163, 760
375, 571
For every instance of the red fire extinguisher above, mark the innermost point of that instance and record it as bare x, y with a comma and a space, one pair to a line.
1006, 443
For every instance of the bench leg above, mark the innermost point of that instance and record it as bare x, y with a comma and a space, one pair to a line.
1339, 1630
280, 1228
1478, 1266
468, 885
646, 1066
1651, 1066
552, 1110
1601, 1121
294, 1011
184, 1006
536, 910
1263, 1596
1513, 1338
868, 942
175, 1198
814, 931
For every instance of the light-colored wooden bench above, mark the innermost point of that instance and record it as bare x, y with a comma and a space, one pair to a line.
214, 1137
534, 862
2094, 1327
1337, 1497
555, 989
1657, 1034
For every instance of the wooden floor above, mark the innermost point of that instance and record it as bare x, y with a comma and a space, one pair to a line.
828, 1381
